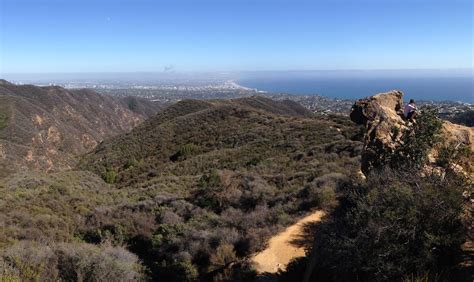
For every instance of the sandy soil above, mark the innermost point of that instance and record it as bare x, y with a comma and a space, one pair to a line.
280, 251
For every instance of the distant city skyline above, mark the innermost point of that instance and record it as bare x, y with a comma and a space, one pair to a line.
54, 36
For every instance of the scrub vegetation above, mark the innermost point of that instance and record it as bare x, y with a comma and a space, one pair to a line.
191, 192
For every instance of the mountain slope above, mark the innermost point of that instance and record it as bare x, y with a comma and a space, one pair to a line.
191, 128
222, 176
202, 184
45, 128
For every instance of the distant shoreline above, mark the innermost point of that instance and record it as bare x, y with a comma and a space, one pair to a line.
427, 89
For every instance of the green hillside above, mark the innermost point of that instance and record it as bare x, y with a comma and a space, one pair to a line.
225, 175
198, 186
194, 191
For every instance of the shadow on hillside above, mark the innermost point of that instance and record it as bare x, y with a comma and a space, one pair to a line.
268, 277
306, 238
303, 240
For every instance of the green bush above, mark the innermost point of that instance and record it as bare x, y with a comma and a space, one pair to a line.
390, 227
454, 154
166, 234
31, 261
184, 152
182, 271
210, 193
110, 176
131, 163
417, 140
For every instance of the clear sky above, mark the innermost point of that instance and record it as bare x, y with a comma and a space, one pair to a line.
230, 35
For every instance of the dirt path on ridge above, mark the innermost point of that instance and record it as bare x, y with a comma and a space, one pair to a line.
280, 251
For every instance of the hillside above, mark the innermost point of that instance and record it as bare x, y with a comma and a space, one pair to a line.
44, 218
410, 217
464, 118
193, 131
233, 190
221, 176
193, 192
46, 128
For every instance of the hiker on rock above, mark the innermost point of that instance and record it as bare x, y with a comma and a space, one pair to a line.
410, 110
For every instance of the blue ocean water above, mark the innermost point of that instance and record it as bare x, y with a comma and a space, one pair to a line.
431, 88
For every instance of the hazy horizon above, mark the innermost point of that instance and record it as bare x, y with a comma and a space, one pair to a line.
369, 72
434, 84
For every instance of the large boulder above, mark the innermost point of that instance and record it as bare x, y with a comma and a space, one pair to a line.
382, 116
387, 104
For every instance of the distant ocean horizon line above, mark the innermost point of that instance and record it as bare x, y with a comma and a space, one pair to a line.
456, 89
431, 84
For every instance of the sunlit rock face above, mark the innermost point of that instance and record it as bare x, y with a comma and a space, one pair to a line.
382, 116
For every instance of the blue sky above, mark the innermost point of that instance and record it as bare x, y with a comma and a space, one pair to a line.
229, 35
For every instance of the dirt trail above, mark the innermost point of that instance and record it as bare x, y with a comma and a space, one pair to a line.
280, 250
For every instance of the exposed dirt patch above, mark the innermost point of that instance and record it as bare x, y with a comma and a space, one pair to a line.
280, 250
38, 120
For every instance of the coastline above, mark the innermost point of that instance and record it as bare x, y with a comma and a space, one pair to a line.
455, 90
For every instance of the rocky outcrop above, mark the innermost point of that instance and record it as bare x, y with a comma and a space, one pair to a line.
382, 116
458, 134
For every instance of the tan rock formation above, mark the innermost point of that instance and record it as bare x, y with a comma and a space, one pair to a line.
458, 134
383, 118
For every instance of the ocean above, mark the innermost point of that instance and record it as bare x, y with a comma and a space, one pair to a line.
429, 88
